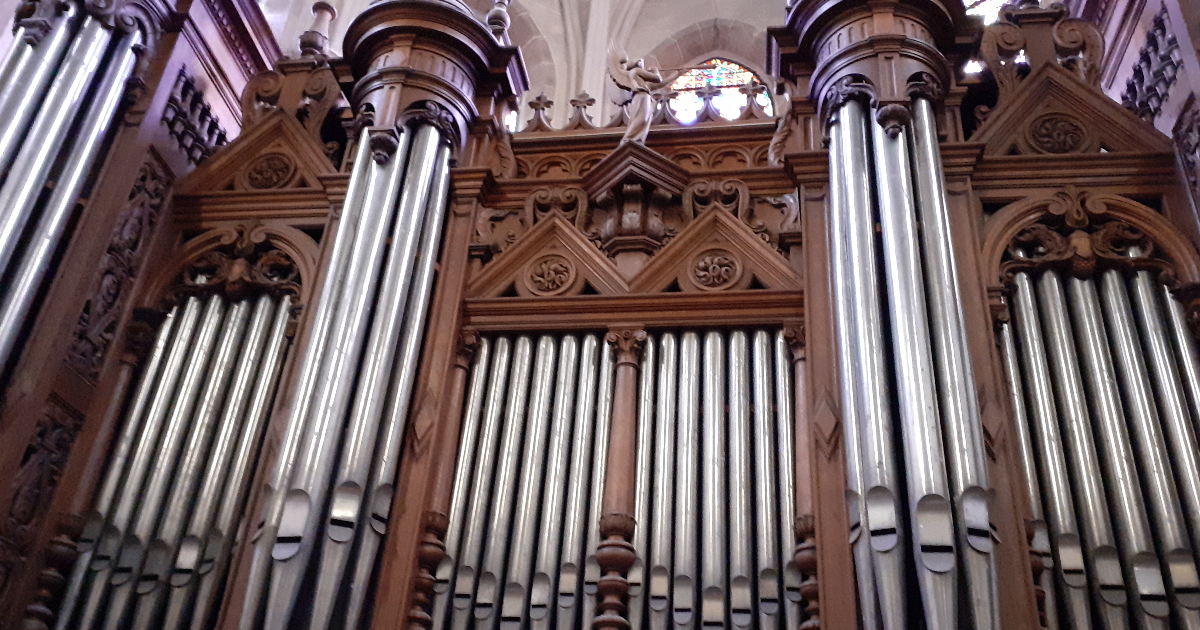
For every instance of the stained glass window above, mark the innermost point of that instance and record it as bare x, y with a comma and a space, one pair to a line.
719, 74
988, 9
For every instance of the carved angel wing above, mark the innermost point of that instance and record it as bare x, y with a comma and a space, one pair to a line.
618, 67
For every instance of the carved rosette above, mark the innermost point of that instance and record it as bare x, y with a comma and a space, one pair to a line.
550, 275
1057, 133
271, 170
716, 270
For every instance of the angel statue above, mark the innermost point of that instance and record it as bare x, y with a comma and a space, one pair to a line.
635, 77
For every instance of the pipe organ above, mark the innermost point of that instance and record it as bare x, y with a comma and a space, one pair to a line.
918, 352
714, 421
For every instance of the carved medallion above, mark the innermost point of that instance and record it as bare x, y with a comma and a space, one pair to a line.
272, 170
1057, 133
716, 269
551, 274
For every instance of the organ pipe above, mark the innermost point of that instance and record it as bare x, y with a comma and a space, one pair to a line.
644, 485
785, 408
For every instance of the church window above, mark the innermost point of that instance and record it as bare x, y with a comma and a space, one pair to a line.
727, 78
989, 10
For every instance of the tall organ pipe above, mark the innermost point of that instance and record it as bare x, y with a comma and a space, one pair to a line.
130, 433
518, 574
153, 493
880, 468
351, 475
468, 445
957, 398
47, 134
495, 552
714, 528
1189, 358
172, 518
852, 417
323, 310
785, 420
1146, 427
543, 587
27, 72
35, 261
928, 490
1040, 534
604, 408
381, 486
1116, 457
219, 546
662, 525
767, 541
1065, 531
187, 561
1184, 451
741, 484
687, 486
467, 577
1099, 545
300, 520
109, 547
643, 476
575, 526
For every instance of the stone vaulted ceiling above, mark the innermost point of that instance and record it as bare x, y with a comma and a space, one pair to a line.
565, 41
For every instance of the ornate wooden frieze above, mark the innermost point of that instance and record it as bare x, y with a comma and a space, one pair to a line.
244, 266
35, 481
97, 325
190, 121
1155, 70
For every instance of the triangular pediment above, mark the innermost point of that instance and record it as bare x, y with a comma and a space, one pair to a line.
553, 259
1054, 112
275, 153
716, 252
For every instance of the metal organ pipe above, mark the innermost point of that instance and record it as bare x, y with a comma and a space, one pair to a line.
218, 541
852, 419
35, 261
785, 420
49, 130
957, 398
1065, 533
95, 523
1184, 451
323, 311
686, 370
644, 481
27, 71
1099, 545
928, 489
404, 372
604, 407
767, 539
299, 521
1040, 537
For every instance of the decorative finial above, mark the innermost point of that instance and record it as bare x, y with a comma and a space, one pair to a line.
498, 21
315, 41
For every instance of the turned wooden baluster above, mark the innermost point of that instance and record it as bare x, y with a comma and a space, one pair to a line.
615, 553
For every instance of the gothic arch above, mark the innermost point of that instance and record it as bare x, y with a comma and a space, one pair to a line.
293, 243
1079, 207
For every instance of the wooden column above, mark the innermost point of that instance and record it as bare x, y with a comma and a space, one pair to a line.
431, 549
805, 554
615, 553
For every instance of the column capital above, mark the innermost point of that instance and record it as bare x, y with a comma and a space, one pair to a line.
628, 342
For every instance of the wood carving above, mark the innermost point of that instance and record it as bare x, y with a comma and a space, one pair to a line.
805, 559
35, 482
189, 119
248, 265
97, 325
1187, 139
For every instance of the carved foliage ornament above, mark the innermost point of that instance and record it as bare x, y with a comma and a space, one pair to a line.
245, 265
97, 324
551, 274
436, 114
853, 86
1078, 238
1057, 132
273, 170
716, 269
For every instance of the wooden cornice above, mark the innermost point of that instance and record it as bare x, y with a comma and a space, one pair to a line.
661, 136
1127, 171
661, 310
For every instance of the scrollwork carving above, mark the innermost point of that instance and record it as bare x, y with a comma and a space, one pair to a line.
569, 202
730, 195
245, 265
926, 86
853, 86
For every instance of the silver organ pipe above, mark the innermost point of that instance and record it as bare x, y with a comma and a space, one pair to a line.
604, 403
785, 407
959, 404
536, 423
27, 72
929, 507
1122, 367
644, 484
1162, 499
852, 418
190, 435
